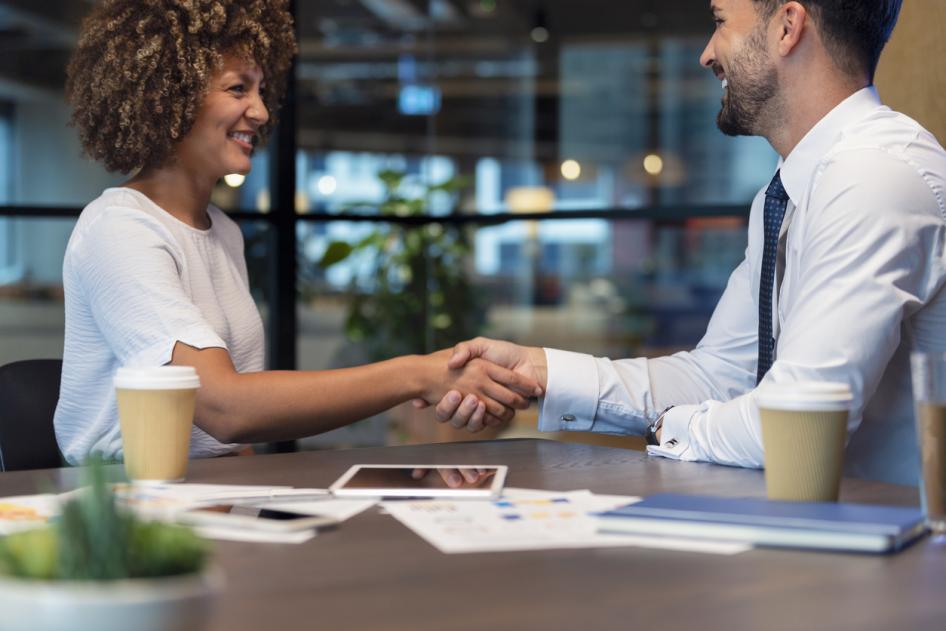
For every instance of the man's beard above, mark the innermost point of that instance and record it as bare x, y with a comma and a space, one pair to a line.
752, 87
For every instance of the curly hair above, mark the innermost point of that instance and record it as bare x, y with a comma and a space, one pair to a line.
141, 70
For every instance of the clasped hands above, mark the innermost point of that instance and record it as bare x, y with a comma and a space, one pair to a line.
488, 381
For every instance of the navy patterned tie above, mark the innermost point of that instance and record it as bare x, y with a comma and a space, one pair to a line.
775, 201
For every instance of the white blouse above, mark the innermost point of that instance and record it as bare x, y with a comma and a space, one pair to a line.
137, 281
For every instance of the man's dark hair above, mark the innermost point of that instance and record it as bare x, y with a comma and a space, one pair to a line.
854, 31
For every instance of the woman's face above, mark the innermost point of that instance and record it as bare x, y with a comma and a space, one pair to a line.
225, 130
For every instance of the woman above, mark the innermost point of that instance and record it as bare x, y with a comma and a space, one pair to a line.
178, 92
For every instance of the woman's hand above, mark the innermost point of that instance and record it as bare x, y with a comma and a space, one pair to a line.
487, 393
463, 411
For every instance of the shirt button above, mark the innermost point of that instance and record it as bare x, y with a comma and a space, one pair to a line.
568, 418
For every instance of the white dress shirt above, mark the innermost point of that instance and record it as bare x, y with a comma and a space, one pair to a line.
860, 285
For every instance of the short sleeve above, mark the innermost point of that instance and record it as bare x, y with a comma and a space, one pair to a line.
130, 273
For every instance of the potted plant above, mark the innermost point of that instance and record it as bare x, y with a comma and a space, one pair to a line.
412, 293
97, 566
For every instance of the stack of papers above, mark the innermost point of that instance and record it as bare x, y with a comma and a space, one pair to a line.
26, 511
528, 519
166, 501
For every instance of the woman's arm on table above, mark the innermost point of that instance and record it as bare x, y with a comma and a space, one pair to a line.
282, 405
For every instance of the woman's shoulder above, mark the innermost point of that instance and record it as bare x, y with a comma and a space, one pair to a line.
119, 203
118, 214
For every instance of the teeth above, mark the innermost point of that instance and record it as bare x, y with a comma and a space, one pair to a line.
725, 83
242, 137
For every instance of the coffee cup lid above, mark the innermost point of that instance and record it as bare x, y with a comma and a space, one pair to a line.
157, 378
805, 395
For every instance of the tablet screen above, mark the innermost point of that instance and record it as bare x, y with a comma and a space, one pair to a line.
421, 480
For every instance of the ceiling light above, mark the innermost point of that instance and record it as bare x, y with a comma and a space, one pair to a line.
234, 180
571, 170
530, 199
539, 35
327, 185
653, 164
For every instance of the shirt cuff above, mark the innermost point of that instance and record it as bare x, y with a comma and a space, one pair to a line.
675, 434
571, 392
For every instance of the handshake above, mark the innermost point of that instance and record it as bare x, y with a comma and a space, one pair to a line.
486, 381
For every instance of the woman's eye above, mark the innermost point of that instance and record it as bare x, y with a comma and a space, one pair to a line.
718, 22
239, 88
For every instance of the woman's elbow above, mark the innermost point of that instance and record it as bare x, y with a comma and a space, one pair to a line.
220, 423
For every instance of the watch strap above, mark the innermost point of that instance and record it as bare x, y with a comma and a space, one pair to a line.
651, 435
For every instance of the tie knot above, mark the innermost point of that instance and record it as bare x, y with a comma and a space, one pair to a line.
776, 189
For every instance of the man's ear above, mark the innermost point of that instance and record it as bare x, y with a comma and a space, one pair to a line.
791, 20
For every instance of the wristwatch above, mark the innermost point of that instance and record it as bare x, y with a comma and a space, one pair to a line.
651, 435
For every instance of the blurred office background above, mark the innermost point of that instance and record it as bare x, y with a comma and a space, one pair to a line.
544, 171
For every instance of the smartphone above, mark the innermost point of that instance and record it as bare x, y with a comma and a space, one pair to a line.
255, 517
419, 480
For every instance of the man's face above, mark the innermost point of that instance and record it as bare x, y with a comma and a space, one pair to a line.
737, 54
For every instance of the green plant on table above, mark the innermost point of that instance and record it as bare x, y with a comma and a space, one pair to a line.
412, 293
96, 540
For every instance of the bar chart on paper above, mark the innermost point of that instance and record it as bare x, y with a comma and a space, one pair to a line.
526, 519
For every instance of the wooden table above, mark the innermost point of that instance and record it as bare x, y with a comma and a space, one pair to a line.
372, 573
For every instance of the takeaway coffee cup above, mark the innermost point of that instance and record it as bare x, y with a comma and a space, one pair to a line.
156, 413
929, 395
804, 429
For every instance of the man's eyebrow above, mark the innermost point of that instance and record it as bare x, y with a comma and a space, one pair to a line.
713, 8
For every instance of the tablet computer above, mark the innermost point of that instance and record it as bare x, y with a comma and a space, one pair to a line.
420, 480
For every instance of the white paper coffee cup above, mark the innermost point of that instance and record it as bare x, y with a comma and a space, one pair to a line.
156, 414
157, 378
805, 395
804, 430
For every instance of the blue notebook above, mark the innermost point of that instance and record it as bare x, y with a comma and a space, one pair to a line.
835, 526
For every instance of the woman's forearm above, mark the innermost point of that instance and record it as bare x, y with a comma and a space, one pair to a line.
282, 405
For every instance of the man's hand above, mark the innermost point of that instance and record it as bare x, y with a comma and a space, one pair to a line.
527, 361
492, 393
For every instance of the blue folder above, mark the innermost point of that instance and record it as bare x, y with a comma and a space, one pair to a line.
828, 525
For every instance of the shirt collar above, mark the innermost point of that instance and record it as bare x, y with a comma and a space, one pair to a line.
798, 168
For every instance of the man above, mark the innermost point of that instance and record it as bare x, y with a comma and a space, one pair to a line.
844, 271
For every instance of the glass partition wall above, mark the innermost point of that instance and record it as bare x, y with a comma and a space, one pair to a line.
544, 171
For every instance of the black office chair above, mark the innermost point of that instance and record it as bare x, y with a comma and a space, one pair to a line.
29, 391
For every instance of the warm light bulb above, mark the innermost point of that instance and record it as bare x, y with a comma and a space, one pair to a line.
653, 164
571, 170
234, 180
530, 199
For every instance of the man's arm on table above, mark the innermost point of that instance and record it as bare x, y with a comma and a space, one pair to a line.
862, 263
585, 393
859, 274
